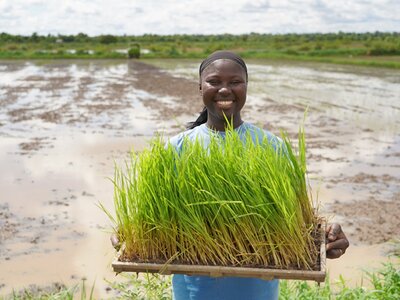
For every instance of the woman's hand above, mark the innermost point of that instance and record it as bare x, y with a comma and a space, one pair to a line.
115, 241
336, 241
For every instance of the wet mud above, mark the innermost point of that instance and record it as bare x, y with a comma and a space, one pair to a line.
64, 124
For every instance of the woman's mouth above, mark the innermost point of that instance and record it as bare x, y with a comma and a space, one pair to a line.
224, 104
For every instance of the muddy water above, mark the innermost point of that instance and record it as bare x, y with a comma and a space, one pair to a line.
64, 123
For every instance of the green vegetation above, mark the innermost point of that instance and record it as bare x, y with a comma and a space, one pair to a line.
134, 51
54, 292
370, 49
232, 203
149, 286
383, 284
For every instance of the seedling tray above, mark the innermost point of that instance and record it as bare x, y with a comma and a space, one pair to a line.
219, 271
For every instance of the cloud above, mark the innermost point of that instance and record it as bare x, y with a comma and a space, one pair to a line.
198, 16
255, 6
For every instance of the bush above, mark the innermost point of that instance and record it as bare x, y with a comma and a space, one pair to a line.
134, 51
173, 52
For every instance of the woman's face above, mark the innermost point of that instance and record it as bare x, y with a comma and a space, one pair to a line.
223, 87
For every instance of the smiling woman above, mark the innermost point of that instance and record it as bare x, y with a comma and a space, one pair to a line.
202, 182
223, 88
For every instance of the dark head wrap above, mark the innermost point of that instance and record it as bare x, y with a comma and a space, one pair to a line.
222, 55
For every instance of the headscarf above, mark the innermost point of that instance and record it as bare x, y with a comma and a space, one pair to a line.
222, 55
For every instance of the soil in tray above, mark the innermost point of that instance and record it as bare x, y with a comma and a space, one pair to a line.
316, 266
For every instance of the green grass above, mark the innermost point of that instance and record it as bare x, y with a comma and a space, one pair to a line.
148, 286
235, 204
392, 62
376, 49
381, 61
382, 284
53, 292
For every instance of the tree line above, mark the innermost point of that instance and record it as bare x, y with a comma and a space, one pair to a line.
373, 48
250, 37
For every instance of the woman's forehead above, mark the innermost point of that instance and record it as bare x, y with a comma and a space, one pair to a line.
221, 66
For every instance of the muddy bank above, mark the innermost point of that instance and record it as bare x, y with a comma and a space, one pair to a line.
62, 126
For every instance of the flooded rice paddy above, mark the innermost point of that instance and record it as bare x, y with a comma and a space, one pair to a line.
63, 124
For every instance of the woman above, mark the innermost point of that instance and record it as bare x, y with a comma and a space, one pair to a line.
223, 87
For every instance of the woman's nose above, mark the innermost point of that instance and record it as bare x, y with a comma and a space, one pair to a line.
225, 89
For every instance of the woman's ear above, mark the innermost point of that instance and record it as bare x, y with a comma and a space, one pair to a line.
200, 90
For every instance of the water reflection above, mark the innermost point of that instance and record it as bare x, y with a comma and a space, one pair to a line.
77, 95
365, 99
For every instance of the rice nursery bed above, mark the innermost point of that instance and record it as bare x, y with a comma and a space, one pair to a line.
233, 205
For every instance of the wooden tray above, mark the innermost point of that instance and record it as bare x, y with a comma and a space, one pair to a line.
218, 271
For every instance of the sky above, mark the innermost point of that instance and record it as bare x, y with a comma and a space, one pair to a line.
137, 17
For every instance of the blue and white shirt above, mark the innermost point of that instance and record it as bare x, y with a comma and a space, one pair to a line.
222, 288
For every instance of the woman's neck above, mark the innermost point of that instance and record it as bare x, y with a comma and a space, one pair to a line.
221, 126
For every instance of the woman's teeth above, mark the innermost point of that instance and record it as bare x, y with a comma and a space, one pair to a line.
224, 104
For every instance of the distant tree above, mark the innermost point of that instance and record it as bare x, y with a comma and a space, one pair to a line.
66, 38
34, 37
50, 38
5, 37
108, 39
82, 37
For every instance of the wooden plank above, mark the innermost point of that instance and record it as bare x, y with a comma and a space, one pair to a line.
219, 271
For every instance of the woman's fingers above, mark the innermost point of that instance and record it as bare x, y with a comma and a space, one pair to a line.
334, 253
341, 243
333, 231
337, 248
337, 242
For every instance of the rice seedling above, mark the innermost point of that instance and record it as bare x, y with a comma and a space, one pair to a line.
234, 203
